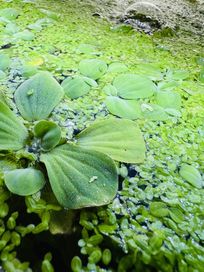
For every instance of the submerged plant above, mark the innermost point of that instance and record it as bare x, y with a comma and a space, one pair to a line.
81, 172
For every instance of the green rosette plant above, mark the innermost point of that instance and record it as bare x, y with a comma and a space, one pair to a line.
82, 172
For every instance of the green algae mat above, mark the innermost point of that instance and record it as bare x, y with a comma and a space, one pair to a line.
101, 143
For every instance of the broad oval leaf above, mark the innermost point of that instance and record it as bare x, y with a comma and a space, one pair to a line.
132, 86
168, 99
13, 133
49, 132
38, 96
9, 13
191, 175
24, 181
110, 90
120, 139
129, 109
11, 28
24, 35
154, 112
75, 87
117, 67
4, 62
93, 68
79, 177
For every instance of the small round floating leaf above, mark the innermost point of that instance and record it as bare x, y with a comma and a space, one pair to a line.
154, 113
117, 67
4, 62
91, 82
80, 177
87, 49
24, 181
120, 139
191, 175
9, 13
25, 35
129, 109
150, 70
93, 68
13, 133
11, 28
38, 96
75, 87
49, 132
168, 99
132, 86
110, 90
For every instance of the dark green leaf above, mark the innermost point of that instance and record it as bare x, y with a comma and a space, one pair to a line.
24, 181
79, 177
12, 132
38, 96
120, 139
49, 132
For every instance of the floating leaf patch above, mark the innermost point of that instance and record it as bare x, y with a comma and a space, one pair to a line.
117, 67
120, 139
38, 96
93, 68
132, 86
4, 62
110, 90
154, 112
129, 109
12, 132
168, 99
77, 86
25, 35
79, 177
24, 181
191, 175
9, 13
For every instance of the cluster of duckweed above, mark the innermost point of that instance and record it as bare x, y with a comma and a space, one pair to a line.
156, 220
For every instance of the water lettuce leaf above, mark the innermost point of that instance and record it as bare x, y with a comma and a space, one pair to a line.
38, 96
80, 177
120, 139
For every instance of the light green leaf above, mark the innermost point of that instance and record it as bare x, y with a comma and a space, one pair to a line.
110, 90
11, 28
9, 13
154, 112
4, 62
117, 67
91, 82
35, 26
49, 132
132, 86
50, 14
201, 76
120, 139
129, 109
167, 85
79, 177
12, 132
2, 75
93, 68
24, 181
87, 49
177, 74
191, 175
24, 35
75, 87
168, 99
150, 70
38, 96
